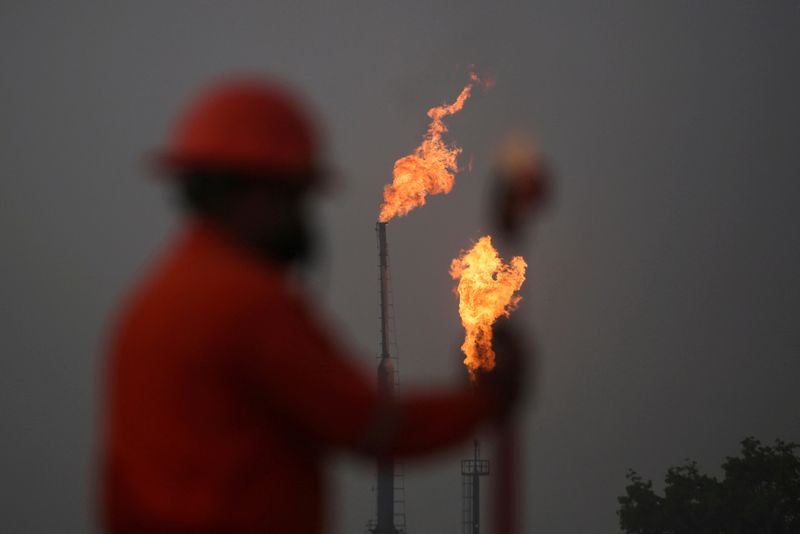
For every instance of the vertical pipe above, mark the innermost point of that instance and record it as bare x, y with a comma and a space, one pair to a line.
385, 505
506, 491
383, 259
476, 492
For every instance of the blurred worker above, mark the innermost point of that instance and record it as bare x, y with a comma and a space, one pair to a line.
226, 394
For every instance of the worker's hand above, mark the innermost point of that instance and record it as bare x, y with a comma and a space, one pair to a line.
506, 381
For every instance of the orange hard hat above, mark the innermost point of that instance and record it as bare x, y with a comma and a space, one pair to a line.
250, 126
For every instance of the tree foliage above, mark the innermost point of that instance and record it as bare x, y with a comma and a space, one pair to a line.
758, 494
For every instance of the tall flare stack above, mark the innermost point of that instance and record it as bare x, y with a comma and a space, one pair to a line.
385, 521
429, 170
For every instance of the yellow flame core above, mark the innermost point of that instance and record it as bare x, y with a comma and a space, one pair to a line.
486, 290
430, 169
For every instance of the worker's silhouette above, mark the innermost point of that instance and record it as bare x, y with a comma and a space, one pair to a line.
226, 393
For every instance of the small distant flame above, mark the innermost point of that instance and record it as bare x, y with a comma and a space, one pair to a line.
486, 290
430, 169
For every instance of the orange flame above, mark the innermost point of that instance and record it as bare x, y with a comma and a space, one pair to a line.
430, 169
486, 288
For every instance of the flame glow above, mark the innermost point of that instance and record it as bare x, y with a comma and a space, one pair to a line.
486, 290
430, 169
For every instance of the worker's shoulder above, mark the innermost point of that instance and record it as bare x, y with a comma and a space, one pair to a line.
212, 265
203, 274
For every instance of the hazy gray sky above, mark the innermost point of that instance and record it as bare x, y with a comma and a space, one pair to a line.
663, 285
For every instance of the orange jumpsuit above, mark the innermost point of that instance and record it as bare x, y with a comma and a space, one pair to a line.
226, 395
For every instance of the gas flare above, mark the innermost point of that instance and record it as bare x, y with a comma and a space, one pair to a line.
486, 290
431, 168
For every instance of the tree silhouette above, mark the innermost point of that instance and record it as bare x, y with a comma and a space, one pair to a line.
759, 494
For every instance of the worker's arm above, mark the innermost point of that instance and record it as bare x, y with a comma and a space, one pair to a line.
427, 422
304, 374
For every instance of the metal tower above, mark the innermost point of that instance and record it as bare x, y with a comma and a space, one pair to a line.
390, 517
472, 470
